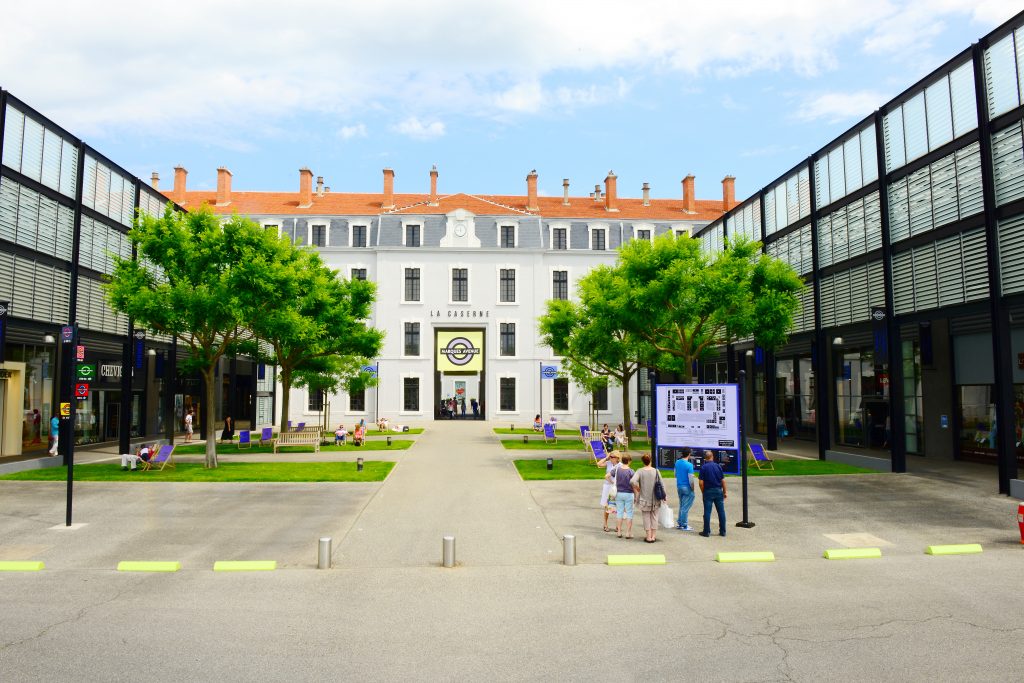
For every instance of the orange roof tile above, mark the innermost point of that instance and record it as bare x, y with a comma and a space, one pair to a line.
343, 203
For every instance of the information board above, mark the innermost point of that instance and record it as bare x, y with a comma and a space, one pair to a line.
698, 415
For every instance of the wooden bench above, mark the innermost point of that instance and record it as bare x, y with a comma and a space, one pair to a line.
298, 439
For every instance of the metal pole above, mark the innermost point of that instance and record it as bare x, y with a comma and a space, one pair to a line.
323, 557
569, 550
448, 551
746, 524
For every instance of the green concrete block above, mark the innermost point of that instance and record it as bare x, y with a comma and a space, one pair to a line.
745, 557
964, 549
21, 566
244, 565
148, 566
623, 560
852, 553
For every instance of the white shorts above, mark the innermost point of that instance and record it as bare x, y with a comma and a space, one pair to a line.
607, 492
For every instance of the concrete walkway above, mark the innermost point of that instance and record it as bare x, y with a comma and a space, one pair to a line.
454, 482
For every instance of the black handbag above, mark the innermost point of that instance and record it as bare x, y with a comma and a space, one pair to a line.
659, 489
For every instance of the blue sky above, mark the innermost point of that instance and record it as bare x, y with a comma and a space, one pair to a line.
487, 91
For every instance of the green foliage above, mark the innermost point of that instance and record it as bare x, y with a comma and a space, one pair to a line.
686, 304
202, 280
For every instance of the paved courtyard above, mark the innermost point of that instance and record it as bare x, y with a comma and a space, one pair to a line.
510, 610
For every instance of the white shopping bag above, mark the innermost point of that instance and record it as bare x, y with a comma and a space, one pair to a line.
666, 518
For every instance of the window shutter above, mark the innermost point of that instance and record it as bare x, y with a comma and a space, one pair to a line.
1011, 255
925, 285
903, 282
975, 265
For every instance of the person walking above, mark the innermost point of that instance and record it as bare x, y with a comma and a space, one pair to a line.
188, 426
54, 434
712, 487
624, 496
684, 486
610, 463
643, 482
229, 430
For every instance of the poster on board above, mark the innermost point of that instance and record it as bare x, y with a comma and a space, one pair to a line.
699, 417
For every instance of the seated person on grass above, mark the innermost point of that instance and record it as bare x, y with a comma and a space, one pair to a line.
339, 435
143, 453
358, 435
536, 423
382, 424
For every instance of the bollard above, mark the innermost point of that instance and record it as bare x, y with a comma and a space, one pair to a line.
569, 550
359, 464
551, 464
448, 551
525, 438
323, 558
389, 440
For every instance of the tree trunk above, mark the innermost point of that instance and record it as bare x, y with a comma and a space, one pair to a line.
286, 392
209, 415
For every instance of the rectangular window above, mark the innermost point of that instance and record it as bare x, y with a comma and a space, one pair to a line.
411, 394
601, 398
597, 239
358, 235
508, 236
316, 400
357, 401
507, 285
561, 391
412, 284
560, 284
558, 240
318, 236
276, 229
412, 339
412, 235
358, 274
507, 393
508, 339
460, 284
643, 235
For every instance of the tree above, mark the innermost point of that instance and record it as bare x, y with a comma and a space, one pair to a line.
593, 336
317, 327
685, 303
201, 280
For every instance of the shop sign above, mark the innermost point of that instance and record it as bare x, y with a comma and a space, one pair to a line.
81, 391
85, 372
110, 370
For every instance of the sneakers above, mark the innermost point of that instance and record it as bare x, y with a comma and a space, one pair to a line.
685, 527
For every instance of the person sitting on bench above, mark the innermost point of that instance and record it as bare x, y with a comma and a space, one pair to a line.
143, 453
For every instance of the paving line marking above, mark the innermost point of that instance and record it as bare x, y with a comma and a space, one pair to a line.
745, 557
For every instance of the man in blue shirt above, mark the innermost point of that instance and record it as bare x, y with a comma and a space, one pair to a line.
684, 485
712, 485
54, 433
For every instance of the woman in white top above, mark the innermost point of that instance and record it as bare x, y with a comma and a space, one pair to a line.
620, 437
611, 463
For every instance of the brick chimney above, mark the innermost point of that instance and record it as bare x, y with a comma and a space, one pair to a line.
728, 192
565, 192
319, 186
531, 191
433, 186
179, 183
689, 198
611, 199
389, 189
305, 188
223, 186
154, 180
646, 189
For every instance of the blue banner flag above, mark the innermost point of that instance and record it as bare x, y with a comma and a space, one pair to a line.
370, 369
548, 371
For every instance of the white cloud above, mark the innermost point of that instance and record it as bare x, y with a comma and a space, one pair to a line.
349, 132
419, 130
835, 107
212, 71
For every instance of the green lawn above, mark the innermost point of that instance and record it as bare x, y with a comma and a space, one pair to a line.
584, 469
229, 471
539, 444
529, 430
233, 449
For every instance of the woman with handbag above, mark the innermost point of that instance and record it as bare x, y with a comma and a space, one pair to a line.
645, 483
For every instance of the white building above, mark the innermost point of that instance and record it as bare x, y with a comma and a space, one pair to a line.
461, 281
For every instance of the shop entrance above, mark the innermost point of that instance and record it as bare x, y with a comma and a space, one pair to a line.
459, 376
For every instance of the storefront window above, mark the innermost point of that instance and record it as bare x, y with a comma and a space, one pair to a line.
862, 408
806, 401
40, 371
913, 398
977, 422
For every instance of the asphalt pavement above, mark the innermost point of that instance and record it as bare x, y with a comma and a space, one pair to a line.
509, 610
